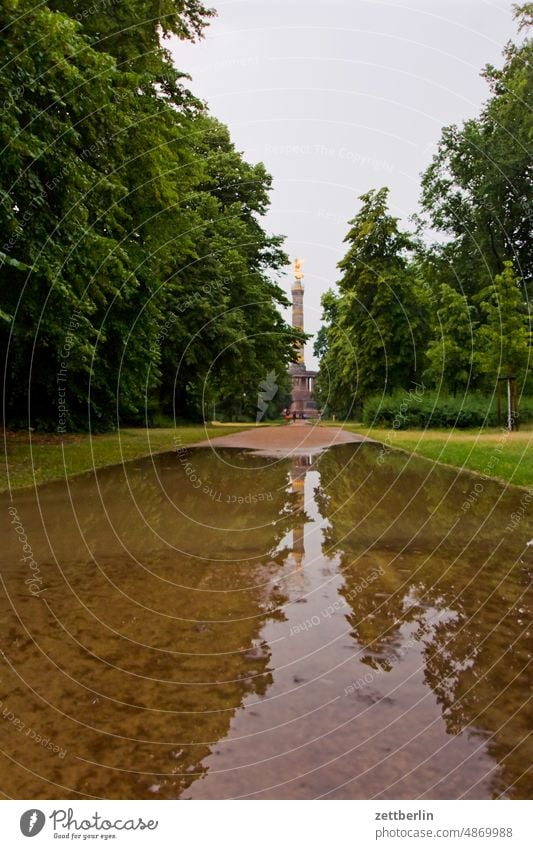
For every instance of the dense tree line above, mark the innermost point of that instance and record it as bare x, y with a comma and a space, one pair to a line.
454, 315
136, 275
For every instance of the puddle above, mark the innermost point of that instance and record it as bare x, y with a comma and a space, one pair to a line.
216, 625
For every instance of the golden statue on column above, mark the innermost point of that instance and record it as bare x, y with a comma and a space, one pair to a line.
298, 274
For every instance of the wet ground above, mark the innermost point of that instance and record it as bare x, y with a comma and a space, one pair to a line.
218, 623
299, 437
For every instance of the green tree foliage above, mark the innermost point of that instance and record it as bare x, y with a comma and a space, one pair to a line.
320, 345
336, 382
450, 354
131, 32
478, 192
504, 341
377, 325
232, 333
61, 209
134, 263
478, 188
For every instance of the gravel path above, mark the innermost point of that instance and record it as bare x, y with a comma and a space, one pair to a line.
296, 438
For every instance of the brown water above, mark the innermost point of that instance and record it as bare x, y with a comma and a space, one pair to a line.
245, 626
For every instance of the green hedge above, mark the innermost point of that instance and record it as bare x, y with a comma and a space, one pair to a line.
421, 409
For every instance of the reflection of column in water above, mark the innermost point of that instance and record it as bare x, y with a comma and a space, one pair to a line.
300, 466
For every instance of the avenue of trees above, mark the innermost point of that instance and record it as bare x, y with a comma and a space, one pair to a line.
136, 276
455, 315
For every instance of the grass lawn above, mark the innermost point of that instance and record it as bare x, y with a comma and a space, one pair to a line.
45, 457
491, 451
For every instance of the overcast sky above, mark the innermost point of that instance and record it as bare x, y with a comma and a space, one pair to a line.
340, 97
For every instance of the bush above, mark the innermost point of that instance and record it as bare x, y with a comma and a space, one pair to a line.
417, 408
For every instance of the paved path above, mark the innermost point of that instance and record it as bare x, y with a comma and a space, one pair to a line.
286, 440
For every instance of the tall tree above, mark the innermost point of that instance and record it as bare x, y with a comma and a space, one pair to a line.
451, 353
479, 187
504, 342
232, 334
121, 201
377, 339
61, 211
337, 380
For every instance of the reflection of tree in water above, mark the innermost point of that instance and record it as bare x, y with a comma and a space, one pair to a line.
165, 656
462, 586
478, 663
193, 498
